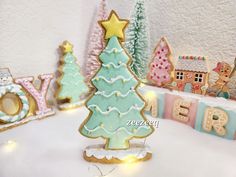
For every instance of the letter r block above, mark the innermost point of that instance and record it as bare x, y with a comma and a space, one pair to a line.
216, 120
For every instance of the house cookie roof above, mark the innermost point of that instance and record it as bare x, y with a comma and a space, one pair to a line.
191, 63
4, 72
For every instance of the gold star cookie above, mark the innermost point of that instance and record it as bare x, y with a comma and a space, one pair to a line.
114, 26
66, 47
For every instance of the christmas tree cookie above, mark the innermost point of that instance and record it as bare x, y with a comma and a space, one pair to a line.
115, 103
161, 67
72, 88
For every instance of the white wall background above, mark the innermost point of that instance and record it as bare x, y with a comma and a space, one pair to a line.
31, 31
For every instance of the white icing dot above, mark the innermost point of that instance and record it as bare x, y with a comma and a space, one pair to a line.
115, 50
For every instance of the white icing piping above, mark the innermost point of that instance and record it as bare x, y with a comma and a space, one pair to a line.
114, 92
113, 79
115, 109
112, 50
115, 66
137, 150
112, 133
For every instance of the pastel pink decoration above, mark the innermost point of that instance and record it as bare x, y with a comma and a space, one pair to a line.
181, 109
38, 95
96, 43
161, 66
219, 66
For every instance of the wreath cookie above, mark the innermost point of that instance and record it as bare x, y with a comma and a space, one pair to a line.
15, 89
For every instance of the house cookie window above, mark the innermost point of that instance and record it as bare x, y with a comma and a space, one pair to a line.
180, 75
198, 77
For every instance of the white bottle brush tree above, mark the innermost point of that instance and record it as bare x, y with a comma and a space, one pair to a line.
137, 40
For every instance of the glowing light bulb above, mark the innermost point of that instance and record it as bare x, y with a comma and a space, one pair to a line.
150, 95
130, 159
9, 146
11, 142
130, 166
142, 85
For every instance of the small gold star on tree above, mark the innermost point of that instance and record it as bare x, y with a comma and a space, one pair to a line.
66, 47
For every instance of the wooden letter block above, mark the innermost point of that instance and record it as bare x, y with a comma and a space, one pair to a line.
152, 104
216, 119
155, 101
181, 109
219, 120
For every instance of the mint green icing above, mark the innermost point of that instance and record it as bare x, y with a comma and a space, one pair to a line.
72, 82
108, 88
115, 101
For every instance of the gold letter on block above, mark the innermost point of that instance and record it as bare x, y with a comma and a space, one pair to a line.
181, 110
217, 119
151, 100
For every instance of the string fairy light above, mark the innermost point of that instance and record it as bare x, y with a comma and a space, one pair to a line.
9, 146
150, 95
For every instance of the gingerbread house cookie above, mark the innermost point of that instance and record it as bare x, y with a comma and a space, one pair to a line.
191, 74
